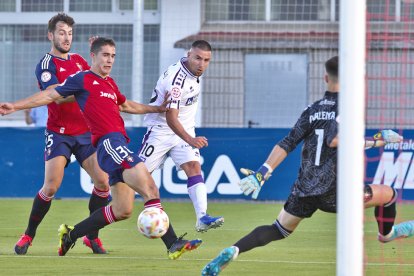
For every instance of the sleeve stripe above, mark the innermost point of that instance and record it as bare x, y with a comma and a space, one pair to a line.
182, 85
176, 75
45, 61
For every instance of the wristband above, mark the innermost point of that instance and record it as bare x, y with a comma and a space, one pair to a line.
264, 169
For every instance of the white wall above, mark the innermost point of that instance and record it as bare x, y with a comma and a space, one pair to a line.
179, 19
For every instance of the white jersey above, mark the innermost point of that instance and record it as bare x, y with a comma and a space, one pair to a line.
184, 89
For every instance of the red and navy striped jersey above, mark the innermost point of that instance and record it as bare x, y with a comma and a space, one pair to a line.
99, 99
64, 118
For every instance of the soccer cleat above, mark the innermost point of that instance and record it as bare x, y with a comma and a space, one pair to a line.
399, 231
214, 267
207, 222
181, 246
23, 244
95, 245
65, 243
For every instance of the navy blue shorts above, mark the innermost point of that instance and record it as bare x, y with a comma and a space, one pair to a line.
64, 145
114, 156
304, 207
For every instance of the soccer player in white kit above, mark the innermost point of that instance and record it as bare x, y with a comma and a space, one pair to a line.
173, 133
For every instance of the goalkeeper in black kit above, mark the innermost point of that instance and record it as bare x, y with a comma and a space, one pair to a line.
316, 186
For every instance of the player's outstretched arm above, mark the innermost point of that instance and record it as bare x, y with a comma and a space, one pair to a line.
382, 138
254, 180
40, 98
68, 99
137, 108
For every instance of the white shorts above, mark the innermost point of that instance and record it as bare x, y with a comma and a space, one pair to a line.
156, 147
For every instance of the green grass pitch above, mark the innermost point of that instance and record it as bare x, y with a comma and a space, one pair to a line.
310, 250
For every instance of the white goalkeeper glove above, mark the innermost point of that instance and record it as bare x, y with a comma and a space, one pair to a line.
254, 180
388, 136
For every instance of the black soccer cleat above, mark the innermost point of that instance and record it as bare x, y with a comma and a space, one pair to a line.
181, 246
65, 243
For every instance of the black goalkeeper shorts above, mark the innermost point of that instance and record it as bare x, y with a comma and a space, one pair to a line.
304, 207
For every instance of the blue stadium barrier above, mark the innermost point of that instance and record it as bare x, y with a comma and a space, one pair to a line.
22, 166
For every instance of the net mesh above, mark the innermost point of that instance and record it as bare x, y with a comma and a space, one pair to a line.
389, 80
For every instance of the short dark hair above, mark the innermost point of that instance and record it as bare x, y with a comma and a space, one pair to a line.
201, 44
99, 42
51, 26
332, 66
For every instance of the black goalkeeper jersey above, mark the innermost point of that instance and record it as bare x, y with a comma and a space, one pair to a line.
317, 127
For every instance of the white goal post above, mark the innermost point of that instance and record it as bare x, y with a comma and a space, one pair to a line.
351, 135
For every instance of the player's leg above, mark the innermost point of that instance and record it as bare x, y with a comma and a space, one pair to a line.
198, 194
384, 199
285, 224
100, 193
140, 180
188, 159
57, 155
260, 236
121, 208
41, 204
378, 195
113, 153
54, 171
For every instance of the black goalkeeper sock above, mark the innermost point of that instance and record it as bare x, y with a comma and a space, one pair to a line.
385, 216
40, 208
169, 237
96, 202
261, 236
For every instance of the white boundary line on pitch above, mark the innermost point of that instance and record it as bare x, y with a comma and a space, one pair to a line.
191, 260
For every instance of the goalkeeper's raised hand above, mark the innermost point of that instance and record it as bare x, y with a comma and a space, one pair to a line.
388, 136
254, 180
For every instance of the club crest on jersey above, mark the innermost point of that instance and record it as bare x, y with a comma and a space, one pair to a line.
46, 76
175, 92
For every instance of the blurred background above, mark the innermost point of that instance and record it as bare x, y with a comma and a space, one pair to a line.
267, 61
267, 66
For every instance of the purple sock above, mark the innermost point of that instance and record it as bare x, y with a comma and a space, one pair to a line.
192, 180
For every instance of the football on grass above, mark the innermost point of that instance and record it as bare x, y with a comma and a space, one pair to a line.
153, 223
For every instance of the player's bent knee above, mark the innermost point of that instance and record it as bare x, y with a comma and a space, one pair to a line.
123, 214
393, 198
368, 194
101, 184
379, 195
49, 191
